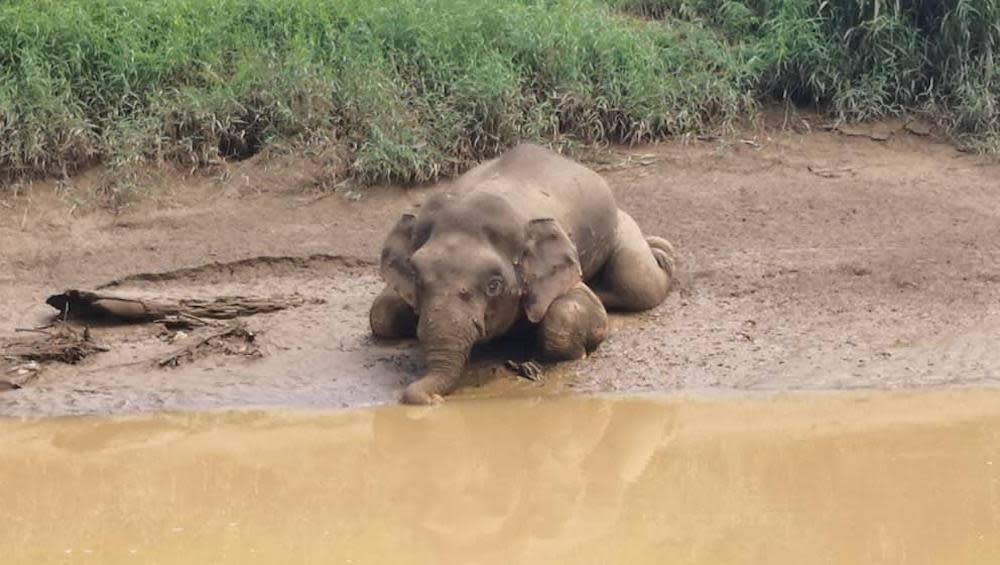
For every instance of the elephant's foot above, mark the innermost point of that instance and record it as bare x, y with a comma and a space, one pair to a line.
392, 317
574, 325
663, 252
639, 273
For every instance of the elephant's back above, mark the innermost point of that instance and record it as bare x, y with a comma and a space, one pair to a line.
540, 183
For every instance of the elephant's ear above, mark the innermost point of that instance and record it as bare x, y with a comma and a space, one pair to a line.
548, 268
395, 266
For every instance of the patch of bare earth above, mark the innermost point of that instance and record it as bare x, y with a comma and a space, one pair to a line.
822, 260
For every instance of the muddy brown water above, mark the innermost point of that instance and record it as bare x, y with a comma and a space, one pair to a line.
847, 478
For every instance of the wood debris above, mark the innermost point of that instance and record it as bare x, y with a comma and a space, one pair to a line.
628, 161
528, 369
830, 172
235, 339
61, 342
873, 133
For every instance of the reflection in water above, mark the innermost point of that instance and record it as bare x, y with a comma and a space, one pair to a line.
835, 479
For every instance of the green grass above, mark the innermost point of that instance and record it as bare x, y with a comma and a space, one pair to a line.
414, 89
863, 59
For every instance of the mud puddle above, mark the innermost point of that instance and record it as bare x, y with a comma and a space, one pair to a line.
847, 478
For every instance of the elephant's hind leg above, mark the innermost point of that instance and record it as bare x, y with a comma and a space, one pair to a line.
392, 317
574, 325
639, 273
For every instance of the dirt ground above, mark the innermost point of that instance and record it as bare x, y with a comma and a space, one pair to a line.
808, 260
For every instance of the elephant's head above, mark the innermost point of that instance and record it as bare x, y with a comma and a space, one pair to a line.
469, 267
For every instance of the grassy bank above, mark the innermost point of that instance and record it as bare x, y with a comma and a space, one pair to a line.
862, 59
413, 89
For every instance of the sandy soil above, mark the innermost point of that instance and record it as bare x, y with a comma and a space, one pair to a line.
810, 260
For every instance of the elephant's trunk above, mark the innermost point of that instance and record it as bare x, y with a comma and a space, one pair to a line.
447, 343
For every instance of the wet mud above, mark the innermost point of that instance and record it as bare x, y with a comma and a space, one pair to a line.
834, 478
807, 261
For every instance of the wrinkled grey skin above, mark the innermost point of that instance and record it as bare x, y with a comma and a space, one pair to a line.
529, 235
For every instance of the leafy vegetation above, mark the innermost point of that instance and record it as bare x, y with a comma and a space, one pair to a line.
413, 89
863, 59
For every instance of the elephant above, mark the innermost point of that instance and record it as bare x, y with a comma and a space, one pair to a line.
527, 239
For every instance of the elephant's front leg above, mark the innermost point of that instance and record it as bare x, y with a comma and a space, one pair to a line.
392, 317
574, 325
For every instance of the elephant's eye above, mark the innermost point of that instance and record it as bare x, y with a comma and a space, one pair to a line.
494, 287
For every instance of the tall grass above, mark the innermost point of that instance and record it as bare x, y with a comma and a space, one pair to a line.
413, 89
863, 59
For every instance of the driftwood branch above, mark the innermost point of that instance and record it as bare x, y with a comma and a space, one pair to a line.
86, 305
